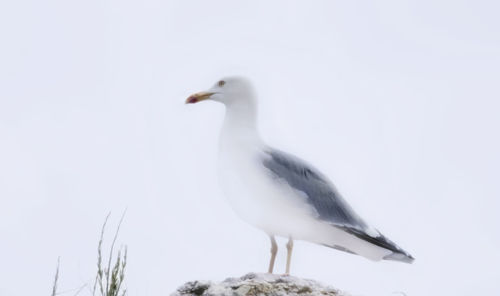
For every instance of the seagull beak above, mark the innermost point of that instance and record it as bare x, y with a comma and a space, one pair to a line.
198, 97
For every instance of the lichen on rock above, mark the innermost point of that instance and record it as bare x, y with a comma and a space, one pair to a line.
254, 284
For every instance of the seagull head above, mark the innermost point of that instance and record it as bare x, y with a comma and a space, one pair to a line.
231, 91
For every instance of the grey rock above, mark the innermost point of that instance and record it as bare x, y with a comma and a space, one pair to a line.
254, 284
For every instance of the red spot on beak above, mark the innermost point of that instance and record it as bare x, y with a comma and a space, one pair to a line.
192, 100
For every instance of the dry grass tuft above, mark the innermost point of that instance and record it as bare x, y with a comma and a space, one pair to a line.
109, 279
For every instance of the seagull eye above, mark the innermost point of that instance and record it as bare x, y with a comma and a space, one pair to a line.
221, 83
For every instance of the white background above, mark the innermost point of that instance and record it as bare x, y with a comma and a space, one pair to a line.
398, 102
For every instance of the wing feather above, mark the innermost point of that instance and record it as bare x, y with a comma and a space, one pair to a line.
320, 192
326, 199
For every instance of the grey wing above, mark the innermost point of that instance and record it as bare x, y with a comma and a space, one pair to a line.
321, 193
325, 199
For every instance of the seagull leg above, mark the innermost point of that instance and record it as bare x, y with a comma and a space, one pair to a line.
289, 247
274, 250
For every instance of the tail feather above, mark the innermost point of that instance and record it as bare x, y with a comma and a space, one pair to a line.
397, 253
406, 258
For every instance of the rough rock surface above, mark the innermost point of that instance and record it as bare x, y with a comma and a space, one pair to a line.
254, 284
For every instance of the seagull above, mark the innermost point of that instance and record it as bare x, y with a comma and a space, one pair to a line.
280, 193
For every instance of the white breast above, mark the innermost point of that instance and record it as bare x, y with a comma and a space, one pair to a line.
237, 175
253, 194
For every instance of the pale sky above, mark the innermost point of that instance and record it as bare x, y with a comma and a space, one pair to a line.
396, 101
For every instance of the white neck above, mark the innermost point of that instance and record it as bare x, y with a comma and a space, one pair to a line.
240, 124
